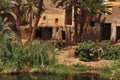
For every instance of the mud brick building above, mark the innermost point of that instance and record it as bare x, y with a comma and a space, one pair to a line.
107, 26
55, 23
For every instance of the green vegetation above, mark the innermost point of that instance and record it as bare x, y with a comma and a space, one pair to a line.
16, 56
116, 75
106, 72
115, 71
41, 55
112, 71
87, 51
110, 52
63, 69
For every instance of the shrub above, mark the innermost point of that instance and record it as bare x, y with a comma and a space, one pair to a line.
9, 53
109, 52
87, 50
42, 53
17, 56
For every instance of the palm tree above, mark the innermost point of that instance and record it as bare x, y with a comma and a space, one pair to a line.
30, 9
3, 26
5, 30
91, 7
88, 7
7, 7
39, 5
17, 13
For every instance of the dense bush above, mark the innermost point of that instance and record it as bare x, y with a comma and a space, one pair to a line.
10, 54
17, 56
109, 52
87, 50
42, 53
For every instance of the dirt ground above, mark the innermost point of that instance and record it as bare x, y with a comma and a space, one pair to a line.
68, 58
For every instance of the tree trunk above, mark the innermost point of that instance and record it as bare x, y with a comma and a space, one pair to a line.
40, 4
75, 20
85, 26
30, 21
30, 24
18, 21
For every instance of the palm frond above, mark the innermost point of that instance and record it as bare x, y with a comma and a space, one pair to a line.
93, 6
5, 30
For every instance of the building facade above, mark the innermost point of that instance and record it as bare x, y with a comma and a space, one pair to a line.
112, 21
55, 23
107, 26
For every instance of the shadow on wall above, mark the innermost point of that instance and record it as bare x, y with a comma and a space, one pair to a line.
105, 31
93, 33
44, 33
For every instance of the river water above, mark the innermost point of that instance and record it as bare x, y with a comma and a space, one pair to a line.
36, 76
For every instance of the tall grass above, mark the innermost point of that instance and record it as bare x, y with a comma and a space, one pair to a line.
16, 56
112, 72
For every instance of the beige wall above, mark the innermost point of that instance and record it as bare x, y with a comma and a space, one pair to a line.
51, 13
51, 16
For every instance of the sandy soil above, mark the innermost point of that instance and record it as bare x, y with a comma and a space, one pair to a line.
67, 57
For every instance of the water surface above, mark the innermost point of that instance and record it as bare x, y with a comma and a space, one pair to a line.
85, 76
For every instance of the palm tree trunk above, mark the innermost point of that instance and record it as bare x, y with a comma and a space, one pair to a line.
18, 21
30, 21
40, 2
75, 19
30, 25
85, 26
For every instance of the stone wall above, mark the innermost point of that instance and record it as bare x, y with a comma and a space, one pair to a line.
115, 23
62, 33
93, 33
52, 15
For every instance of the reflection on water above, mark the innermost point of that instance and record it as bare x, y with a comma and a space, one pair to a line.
85, 76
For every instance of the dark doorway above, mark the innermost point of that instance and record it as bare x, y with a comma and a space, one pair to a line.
48, 33
118, 33
105, 31
44, 33
63, 35
38, 34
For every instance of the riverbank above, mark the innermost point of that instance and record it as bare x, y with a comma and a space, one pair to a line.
44, 58
75, 69
43, 76
52, 69
66, 63
67, 57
